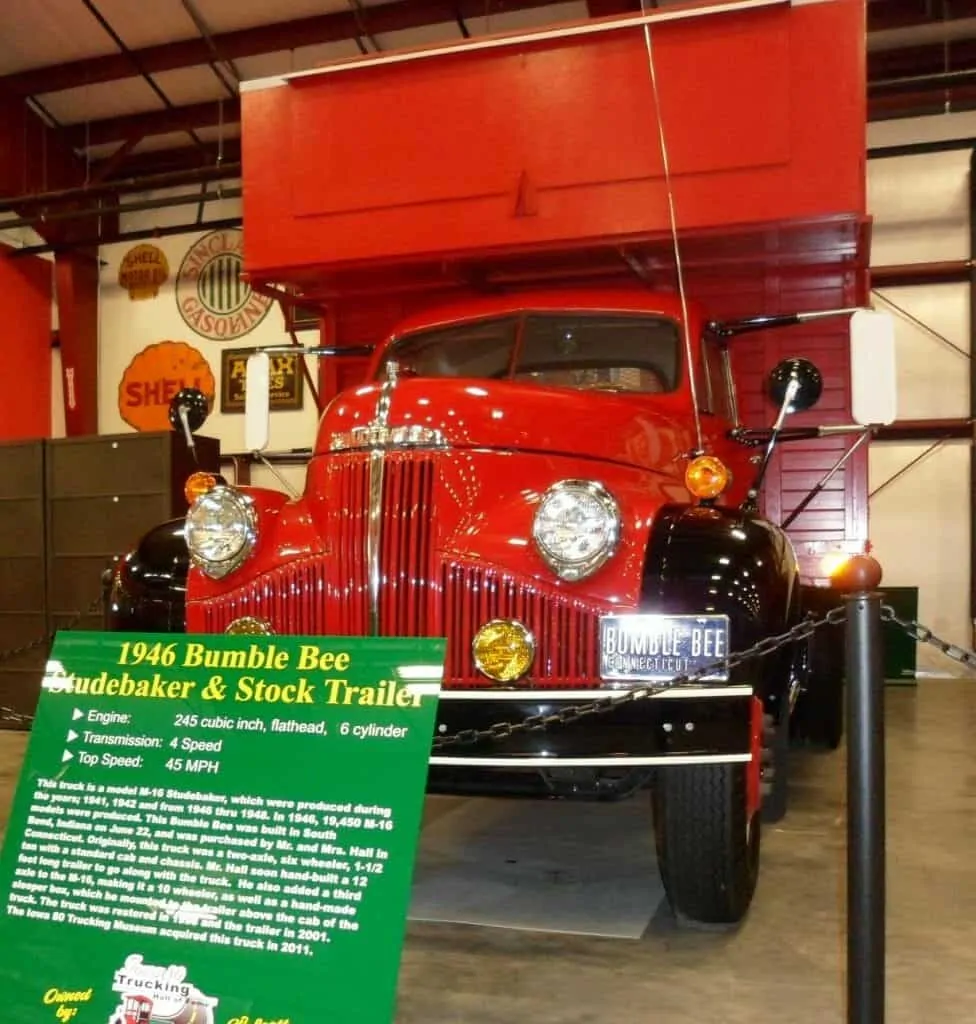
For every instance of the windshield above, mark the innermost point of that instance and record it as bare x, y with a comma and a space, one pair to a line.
584, 351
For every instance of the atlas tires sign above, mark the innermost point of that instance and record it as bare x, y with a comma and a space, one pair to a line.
212, 298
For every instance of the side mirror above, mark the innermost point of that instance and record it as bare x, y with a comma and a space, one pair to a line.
257, 402
795, 385
188, 410
874, 386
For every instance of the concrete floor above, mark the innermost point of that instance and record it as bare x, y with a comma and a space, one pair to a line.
787, 963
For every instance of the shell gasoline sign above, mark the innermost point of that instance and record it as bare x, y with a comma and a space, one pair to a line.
154, 376
143, 270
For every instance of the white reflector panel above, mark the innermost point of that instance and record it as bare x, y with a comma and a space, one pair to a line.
257, 402
874, 388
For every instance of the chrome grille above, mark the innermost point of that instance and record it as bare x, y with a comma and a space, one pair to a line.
420, 595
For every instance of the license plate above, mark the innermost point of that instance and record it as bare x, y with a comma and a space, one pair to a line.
658, 647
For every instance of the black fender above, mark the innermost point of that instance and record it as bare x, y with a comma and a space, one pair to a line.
708, 559
147, 589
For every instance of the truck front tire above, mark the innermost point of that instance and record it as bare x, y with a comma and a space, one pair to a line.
707, 842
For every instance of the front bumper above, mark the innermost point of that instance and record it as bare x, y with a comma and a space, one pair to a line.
690, 725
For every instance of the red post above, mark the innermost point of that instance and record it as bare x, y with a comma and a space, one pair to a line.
77, 293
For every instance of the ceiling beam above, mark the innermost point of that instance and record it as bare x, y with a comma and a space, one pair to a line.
922, 103
609, 8
883, 15
909, 61
192, 163
155, 122
251, 42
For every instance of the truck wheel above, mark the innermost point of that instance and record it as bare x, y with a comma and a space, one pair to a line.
707, 843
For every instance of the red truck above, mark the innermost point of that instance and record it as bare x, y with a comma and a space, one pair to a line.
554, 456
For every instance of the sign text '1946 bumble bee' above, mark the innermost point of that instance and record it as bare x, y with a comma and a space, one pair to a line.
557, 483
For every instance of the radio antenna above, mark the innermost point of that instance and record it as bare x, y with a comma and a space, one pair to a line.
674, 230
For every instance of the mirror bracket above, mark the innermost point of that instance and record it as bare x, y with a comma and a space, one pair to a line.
795, 385
188, 411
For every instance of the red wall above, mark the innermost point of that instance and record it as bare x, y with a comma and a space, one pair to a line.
25, 343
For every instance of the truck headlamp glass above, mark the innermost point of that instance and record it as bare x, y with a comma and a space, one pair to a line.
220, 531
576, 528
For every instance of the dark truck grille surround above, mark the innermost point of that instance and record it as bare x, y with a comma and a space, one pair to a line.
420, 594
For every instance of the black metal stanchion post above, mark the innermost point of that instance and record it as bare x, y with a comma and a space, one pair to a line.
865, 794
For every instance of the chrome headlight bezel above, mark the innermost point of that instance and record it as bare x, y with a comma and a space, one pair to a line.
573, 570
243, 507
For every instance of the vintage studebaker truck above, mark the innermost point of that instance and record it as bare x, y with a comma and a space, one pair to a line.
557, 482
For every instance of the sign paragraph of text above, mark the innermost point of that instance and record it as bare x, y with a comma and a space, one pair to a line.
217, 830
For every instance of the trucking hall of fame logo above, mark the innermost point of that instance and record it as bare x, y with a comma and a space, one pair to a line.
158, 995
212, 298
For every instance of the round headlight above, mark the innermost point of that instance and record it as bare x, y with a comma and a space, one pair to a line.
220, 531
576, 528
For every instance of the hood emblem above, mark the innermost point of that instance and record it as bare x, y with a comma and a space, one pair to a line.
378, 434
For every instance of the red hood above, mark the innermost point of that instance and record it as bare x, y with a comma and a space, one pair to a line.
649, 431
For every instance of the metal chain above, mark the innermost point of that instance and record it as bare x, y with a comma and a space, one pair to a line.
574, 712
535, 723
924, 635
8, 714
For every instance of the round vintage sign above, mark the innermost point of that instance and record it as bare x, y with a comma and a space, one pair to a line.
212, 298
154, 376
142, 270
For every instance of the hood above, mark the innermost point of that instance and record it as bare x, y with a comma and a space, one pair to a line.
634, 429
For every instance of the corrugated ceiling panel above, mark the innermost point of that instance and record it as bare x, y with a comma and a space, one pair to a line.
107, 99
180, 140
227, 15
198, 84
146, 24
171, 140
283, 62
535, 17
429, 35
215, 133
41, 34
102, 152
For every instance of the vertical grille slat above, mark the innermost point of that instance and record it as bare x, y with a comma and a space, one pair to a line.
407, 516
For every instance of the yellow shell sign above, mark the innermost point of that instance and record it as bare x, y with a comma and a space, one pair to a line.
154, 376
142, 271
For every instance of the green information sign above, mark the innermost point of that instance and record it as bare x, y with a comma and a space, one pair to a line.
217, 830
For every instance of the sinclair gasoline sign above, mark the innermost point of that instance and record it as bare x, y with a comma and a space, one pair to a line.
212, 298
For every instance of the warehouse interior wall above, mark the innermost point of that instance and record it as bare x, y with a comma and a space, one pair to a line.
920, 522
25, 384
131, 325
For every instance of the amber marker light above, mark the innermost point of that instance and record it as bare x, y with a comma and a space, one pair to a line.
707, 476
503, 650
197, 484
